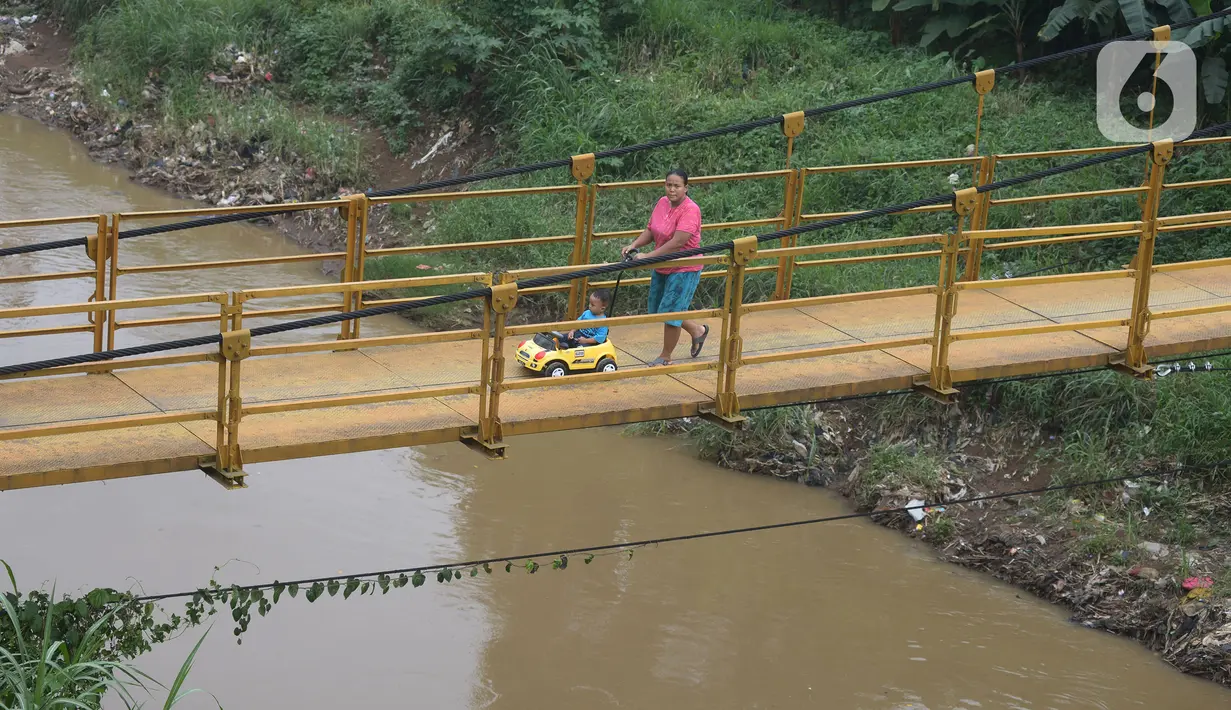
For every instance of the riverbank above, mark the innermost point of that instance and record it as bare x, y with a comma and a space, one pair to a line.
39, 80
1148, 559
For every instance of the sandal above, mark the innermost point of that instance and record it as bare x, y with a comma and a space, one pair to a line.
657, 362
698, 343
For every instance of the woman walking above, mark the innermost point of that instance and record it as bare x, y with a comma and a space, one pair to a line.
675, 224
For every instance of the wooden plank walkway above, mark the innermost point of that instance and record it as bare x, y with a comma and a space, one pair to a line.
163, 448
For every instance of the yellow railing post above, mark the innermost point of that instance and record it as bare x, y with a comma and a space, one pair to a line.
732, 344
225, 318
985, 81
797, 205
583, 170
97, 249
792, 127
490, 437
485, 369
356, 215
235, 311
1134, 362
786, 264
1162, 35
113, 276
361, 246
939, 383
978, 219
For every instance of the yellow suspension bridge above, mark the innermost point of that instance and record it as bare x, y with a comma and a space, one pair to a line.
245, 402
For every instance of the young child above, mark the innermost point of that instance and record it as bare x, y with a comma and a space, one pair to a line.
599, 300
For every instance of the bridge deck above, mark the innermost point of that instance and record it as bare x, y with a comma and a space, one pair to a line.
266, 437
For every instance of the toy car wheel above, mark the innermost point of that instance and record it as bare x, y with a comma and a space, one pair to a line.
556, 369
607, 365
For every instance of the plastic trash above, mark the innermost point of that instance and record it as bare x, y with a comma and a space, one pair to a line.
1198, 583
915, 508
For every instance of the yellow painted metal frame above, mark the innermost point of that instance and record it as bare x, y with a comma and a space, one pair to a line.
97, 251
98, 310
970, 238
104, 244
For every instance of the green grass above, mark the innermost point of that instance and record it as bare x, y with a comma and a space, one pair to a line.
890, 467
942, 529
667, 86
660, 68
1101, 539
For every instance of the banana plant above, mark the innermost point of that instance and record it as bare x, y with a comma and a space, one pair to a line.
969, 21
1102, 18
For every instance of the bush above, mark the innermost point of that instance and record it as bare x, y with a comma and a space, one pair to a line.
73, 652
894, 466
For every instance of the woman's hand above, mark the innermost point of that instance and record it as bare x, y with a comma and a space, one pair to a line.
627, 248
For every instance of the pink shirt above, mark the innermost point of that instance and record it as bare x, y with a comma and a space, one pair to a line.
666, 220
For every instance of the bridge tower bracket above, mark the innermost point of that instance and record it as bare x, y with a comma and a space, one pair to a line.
946, 395
732, 423
1143, 372
230, 480
493, 450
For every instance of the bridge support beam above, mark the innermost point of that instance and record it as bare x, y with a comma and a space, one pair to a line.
226, 466
489, 439
1134, 362
726, 412
939, 382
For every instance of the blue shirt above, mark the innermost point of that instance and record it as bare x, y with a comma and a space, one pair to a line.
599, 334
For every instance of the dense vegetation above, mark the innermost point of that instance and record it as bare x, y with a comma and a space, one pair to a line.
561, 78
73, 652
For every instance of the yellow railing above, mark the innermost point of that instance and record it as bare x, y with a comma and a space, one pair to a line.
968, 239
489, 380
105, 249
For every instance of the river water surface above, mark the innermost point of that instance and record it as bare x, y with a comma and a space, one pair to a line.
842, 615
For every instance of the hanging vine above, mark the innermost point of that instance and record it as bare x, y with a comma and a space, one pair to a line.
242, 600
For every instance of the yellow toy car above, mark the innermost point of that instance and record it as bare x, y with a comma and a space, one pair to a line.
549, 354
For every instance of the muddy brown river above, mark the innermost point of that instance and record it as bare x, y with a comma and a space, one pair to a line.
842, 615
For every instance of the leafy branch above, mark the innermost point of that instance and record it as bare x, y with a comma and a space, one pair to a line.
243, 600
